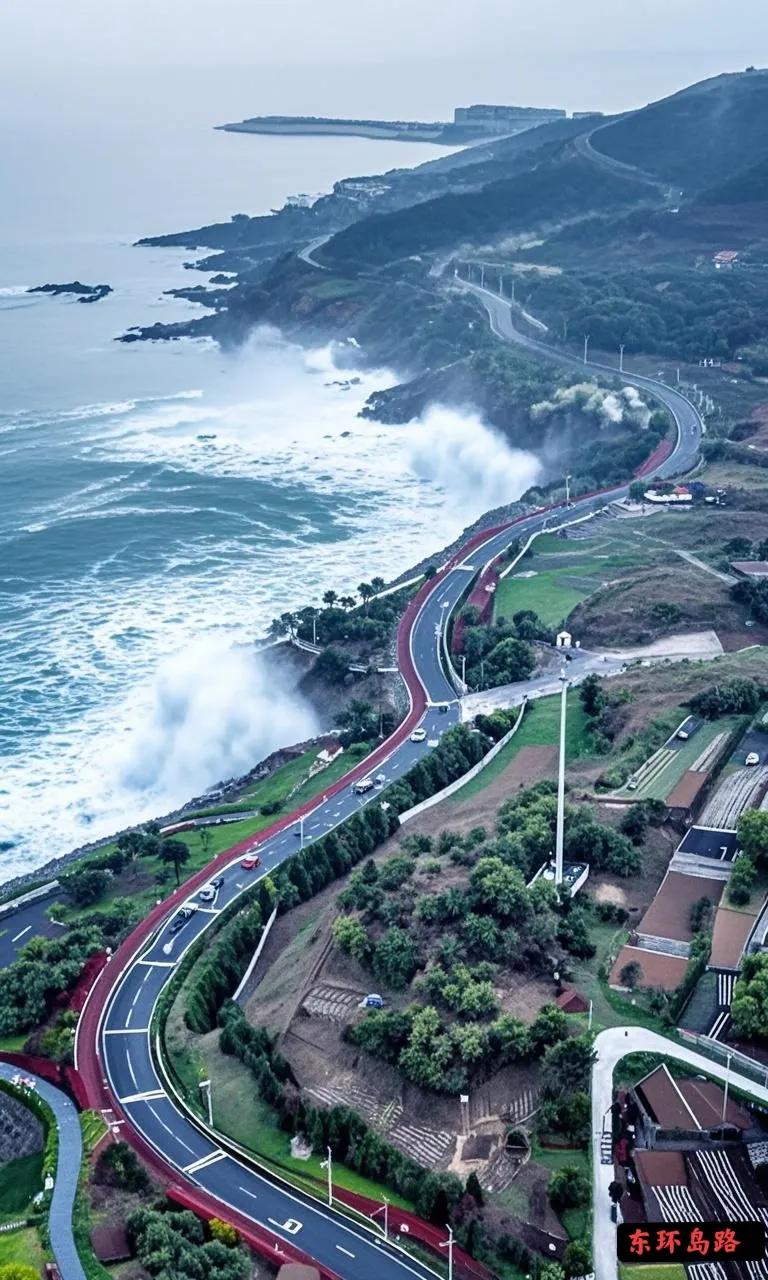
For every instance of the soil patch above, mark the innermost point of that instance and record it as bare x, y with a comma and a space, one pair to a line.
669, 915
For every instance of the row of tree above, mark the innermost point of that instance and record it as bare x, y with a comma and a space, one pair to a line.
177, 1244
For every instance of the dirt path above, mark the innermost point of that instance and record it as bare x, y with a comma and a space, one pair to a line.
706, 568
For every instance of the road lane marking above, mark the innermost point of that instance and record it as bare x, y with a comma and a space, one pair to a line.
341, 1249
21, 935
213, 1157
159, 964
168, 1129
126, 1031
291, 1225
130, 1068
210, 911
148, 1096
246, 1192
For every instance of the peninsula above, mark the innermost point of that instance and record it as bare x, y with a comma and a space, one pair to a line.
469, 124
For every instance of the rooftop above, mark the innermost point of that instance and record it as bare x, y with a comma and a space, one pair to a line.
687, 1103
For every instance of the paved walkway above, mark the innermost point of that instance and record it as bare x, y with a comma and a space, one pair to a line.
706, 568
67, 1173
611, 1046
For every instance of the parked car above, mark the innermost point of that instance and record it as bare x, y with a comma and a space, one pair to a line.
418, 735
362, 785
374, 1001
752, 758
250, 862
380, 779
184, 914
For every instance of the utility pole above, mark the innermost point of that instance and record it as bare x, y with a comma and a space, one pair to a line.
501, 285
621, 357
482, 276
586, 347
314, 628
727, 1082
559, 832
301, 831
328, 1164
567, 491
448, 1244
464, 668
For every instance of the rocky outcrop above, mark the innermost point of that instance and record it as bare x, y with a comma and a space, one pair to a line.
83, 292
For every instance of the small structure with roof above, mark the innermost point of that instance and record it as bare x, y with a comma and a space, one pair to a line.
691, 1107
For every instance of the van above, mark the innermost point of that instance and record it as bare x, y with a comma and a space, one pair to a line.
360, 788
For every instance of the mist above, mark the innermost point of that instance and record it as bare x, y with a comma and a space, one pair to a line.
472, 463
608, 408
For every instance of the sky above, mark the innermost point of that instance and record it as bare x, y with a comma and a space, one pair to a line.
390, 57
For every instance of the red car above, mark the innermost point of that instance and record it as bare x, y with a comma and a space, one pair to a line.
250, 862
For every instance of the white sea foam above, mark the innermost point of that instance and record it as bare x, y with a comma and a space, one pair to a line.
139, 699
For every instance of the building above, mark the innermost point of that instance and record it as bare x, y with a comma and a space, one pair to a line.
500, 119
690, 1107
725, 258
678, 496
750, 568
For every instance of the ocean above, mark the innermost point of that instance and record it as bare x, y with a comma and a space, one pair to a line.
160, 503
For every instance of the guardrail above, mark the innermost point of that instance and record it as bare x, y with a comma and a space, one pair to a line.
34, 895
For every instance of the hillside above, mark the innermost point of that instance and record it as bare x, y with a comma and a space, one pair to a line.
559, 186
698, 137
748, 186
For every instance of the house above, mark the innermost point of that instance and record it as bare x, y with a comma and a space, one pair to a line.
572, 1002
693, 1107
725, 258
680, 495
750, 568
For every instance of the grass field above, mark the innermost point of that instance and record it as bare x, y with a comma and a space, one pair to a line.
661, 1271
22, 1247
540, 727
20, 1180
658, 776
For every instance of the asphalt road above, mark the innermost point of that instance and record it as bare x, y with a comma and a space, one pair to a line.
124, 1036
17, 927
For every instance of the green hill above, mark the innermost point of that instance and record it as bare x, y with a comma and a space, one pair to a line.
750, 186
699, 137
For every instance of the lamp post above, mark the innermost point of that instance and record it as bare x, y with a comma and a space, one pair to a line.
567, 491
205, 1089
328, 1165
727, 1082
448, 1244
560, 828
384, 1208
586, 347
621, 358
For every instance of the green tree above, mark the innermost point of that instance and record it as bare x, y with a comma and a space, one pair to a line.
329, 598
749, 1007
474, 1189
742, 881
18, 1271
331, 665
752, 831
174, 853
568, 1188
631, 975
395, 958
577, 1259
85, 887
224, 1232
352, 936
591, 695
365, 592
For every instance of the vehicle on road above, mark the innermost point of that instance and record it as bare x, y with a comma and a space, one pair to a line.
184, 914
418, 735
250, 862
632, 784
362, 785
209, 891
374, 1001
682, 734
442, 708
380, 779
752, 758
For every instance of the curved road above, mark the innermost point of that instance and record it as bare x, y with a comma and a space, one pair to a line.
67, 1172
114, 1053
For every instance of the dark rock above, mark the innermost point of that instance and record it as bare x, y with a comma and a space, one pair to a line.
84, 292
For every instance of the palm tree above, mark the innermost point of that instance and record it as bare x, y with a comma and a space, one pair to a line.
288, 621
175, 852
378, 585
365, 591
347, 602
330, 597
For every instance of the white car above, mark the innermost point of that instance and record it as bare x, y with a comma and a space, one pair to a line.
418, 735
752, 758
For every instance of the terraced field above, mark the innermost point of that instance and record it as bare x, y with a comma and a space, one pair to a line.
661, 772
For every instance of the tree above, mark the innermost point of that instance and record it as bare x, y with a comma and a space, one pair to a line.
331, 665
749, 1007
174, 853
378, 585
430, 572
631, 975
637, 490
616, 1192
347, 602
577, 1259
568, 1188
352, 936
18, 1271
224, 1232
365, 592
752, 831
474, 1189
509, 661
119, 1166
634, 823
591, 695
85, 887
742, 881
395, 958
329, 598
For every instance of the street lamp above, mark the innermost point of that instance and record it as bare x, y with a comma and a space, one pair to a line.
205, 1089
727, 1082
567, 491
448, 1244
560, 828
384, 1208
621, 358
328, 1164
586, 347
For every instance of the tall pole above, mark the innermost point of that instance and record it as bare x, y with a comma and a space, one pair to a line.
464, 668
329, 1163
448, 1244
561, 787
386, 1218
727, 1082
205, 1089
314, 629
482, 276
301, 831
621, 358
567, 491
586, 347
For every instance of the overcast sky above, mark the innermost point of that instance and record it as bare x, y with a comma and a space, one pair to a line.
397, 56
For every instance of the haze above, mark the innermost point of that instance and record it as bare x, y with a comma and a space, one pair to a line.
407, 57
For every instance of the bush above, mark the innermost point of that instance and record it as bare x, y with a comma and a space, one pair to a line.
119, 1166
568, 1188
742, 881
85, 887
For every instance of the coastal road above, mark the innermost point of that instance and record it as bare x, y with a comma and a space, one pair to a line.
113, 1040
19, 926
306, 254
611, 1046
